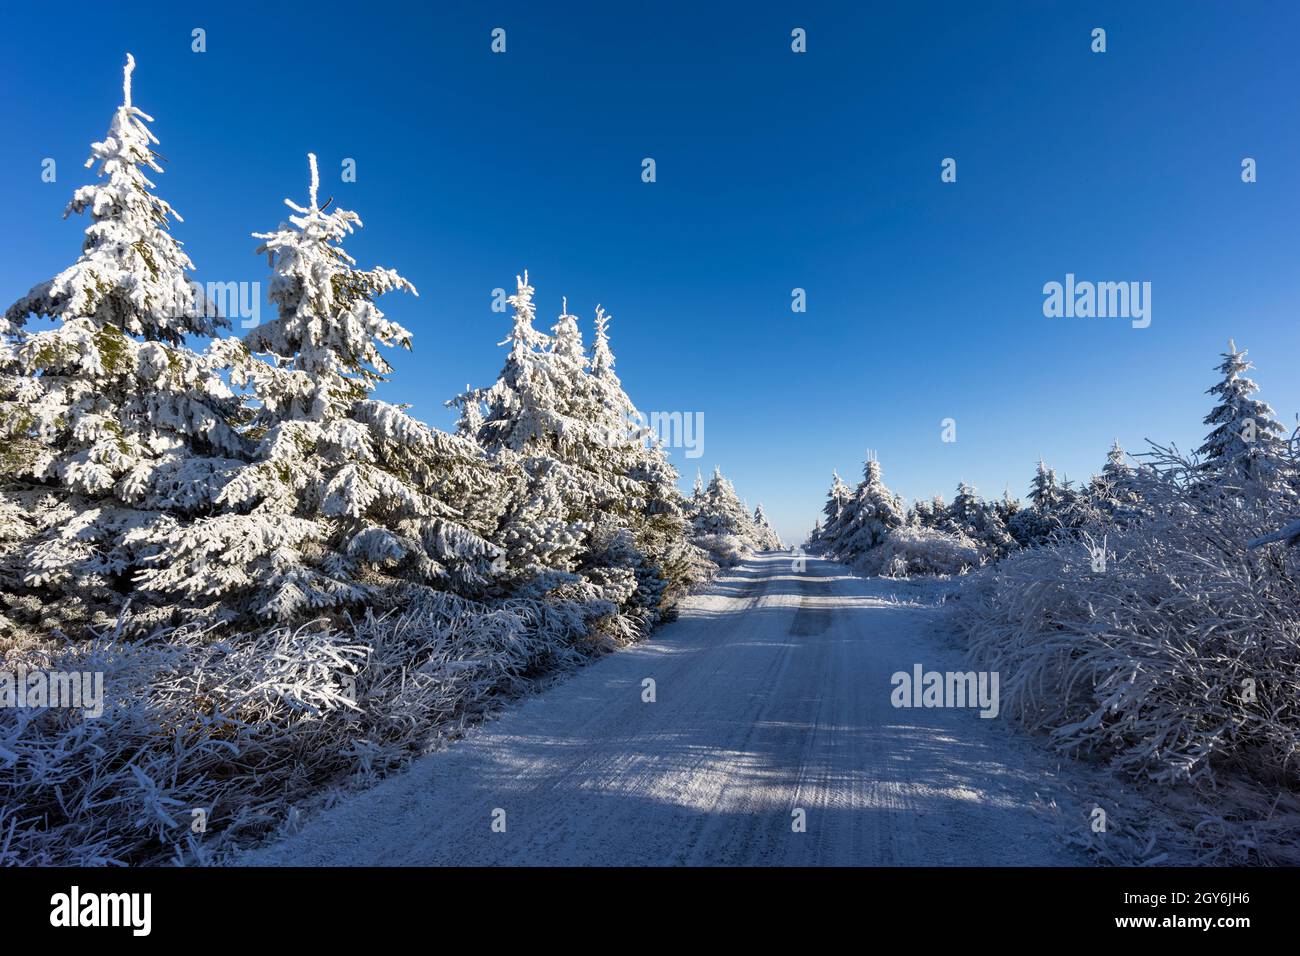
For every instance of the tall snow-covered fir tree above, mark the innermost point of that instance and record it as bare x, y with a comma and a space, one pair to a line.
839, 512
964, 509
697, 493
1007, 506
530, 409
524, 424
563, 418
544, 410
722, 512
346, 496
657, 515
874, 511
107, 419
1044, 491
1047, 498
768, 539
836, 499
921, 514
1245, 440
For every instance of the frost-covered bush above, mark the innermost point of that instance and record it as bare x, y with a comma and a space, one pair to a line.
250, 728
726, 550
1177, 660
912, 550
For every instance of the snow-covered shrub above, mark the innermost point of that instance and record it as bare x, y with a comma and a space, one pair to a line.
726, 550
251, 727
913, 550
1168, 649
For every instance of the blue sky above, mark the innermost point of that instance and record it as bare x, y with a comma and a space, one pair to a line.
774, 171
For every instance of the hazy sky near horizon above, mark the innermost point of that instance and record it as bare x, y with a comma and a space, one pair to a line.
775, 171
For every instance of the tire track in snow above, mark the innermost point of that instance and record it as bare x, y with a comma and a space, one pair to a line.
773, 694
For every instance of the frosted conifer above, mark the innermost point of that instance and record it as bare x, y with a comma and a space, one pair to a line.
768, 539
874, 511
345, 495
1244, 443
108, 419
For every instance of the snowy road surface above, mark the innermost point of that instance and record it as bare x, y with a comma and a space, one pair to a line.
773, 695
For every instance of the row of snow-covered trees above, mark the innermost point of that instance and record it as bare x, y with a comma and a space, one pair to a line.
1246, 451
1146, 618
153, 466
723, 525
1154, 626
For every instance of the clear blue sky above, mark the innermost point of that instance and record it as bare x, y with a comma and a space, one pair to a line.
775, 170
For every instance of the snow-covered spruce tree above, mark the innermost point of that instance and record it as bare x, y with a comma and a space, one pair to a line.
875, 512
563, 418
722, 525
347, 498
470, 420
1034, 524
542, 546
928, 514
837, 500
923, 514
1044, 491
841, 511
658, 516
964, 510
107, 420
697, 495
1114, 497
768, 539
1068, 510
1007, 506
529, 410
1245, 442
525, 427
722, 511
978, 520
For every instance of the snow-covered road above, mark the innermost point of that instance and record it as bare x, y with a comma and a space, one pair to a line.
773, 695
